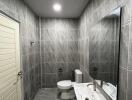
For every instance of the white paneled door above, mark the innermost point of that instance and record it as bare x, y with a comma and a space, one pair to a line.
10, 75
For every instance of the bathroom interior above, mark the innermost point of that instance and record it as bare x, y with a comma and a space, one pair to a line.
65, 49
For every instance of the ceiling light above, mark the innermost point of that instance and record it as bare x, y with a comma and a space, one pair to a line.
57, 7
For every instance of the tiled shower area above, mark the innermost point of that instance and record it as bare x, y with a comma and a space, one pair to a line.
61, 45
59, 50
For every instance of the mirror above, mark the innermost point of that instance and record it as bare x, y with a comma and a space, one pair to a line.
104, 52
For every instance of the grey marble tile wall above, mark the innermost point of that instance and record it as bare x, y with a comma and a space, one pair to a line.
59, 50
59, 44
29, 54
94, 12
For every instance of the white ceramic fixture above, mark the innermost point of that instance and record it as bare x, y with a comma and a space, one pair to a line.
65, 86
83, 91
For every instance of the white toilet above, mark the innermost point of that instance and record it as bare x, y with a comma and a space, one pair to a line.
65, 87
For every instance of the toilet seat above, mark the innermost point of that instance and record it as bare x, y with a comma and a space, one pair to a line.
65, 84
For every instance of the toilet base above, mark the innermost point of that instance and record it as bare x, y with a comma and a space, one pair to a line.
66, 94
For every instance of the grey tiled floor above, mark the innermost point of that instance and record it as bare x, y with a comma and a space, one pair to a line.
47, 94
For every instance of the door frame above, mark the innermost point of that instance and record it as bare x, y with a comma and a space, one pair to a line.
21, 67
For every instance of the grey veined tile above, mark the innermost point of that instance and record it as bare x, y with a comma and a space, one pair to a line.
61, 57
48, 35
61, 35
122, 84
60, 24
123, 55
50, 80
126, 12
125, 34
50, 67
73, 46
73, 34
48, 46
130, 57
129, 90
48, 23
49, 57
61, 46
73, 57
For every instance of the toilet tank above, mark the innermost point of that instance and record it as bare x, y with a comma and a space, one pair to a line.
78, 76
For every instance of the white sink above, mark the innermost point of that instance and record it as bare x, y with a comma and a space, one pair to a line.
83, 91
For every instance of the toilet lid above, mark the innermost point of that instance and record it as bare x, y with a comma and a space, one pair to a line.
66, 84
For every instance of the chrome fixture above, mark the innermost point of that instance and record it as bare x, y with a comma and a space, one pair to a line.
103, 82
32, 43
94, 85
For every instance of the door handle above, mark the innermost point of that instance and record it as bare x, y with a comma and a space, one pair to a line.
19, 76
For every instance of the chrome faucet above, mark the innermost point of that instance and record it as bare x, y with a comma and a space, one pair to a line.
94, 85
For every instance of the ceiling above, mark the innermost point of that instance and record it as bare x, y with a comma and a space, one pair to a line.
70, 8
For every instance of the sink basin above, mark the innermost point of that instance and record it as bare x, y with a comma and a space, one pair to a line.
83, 91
